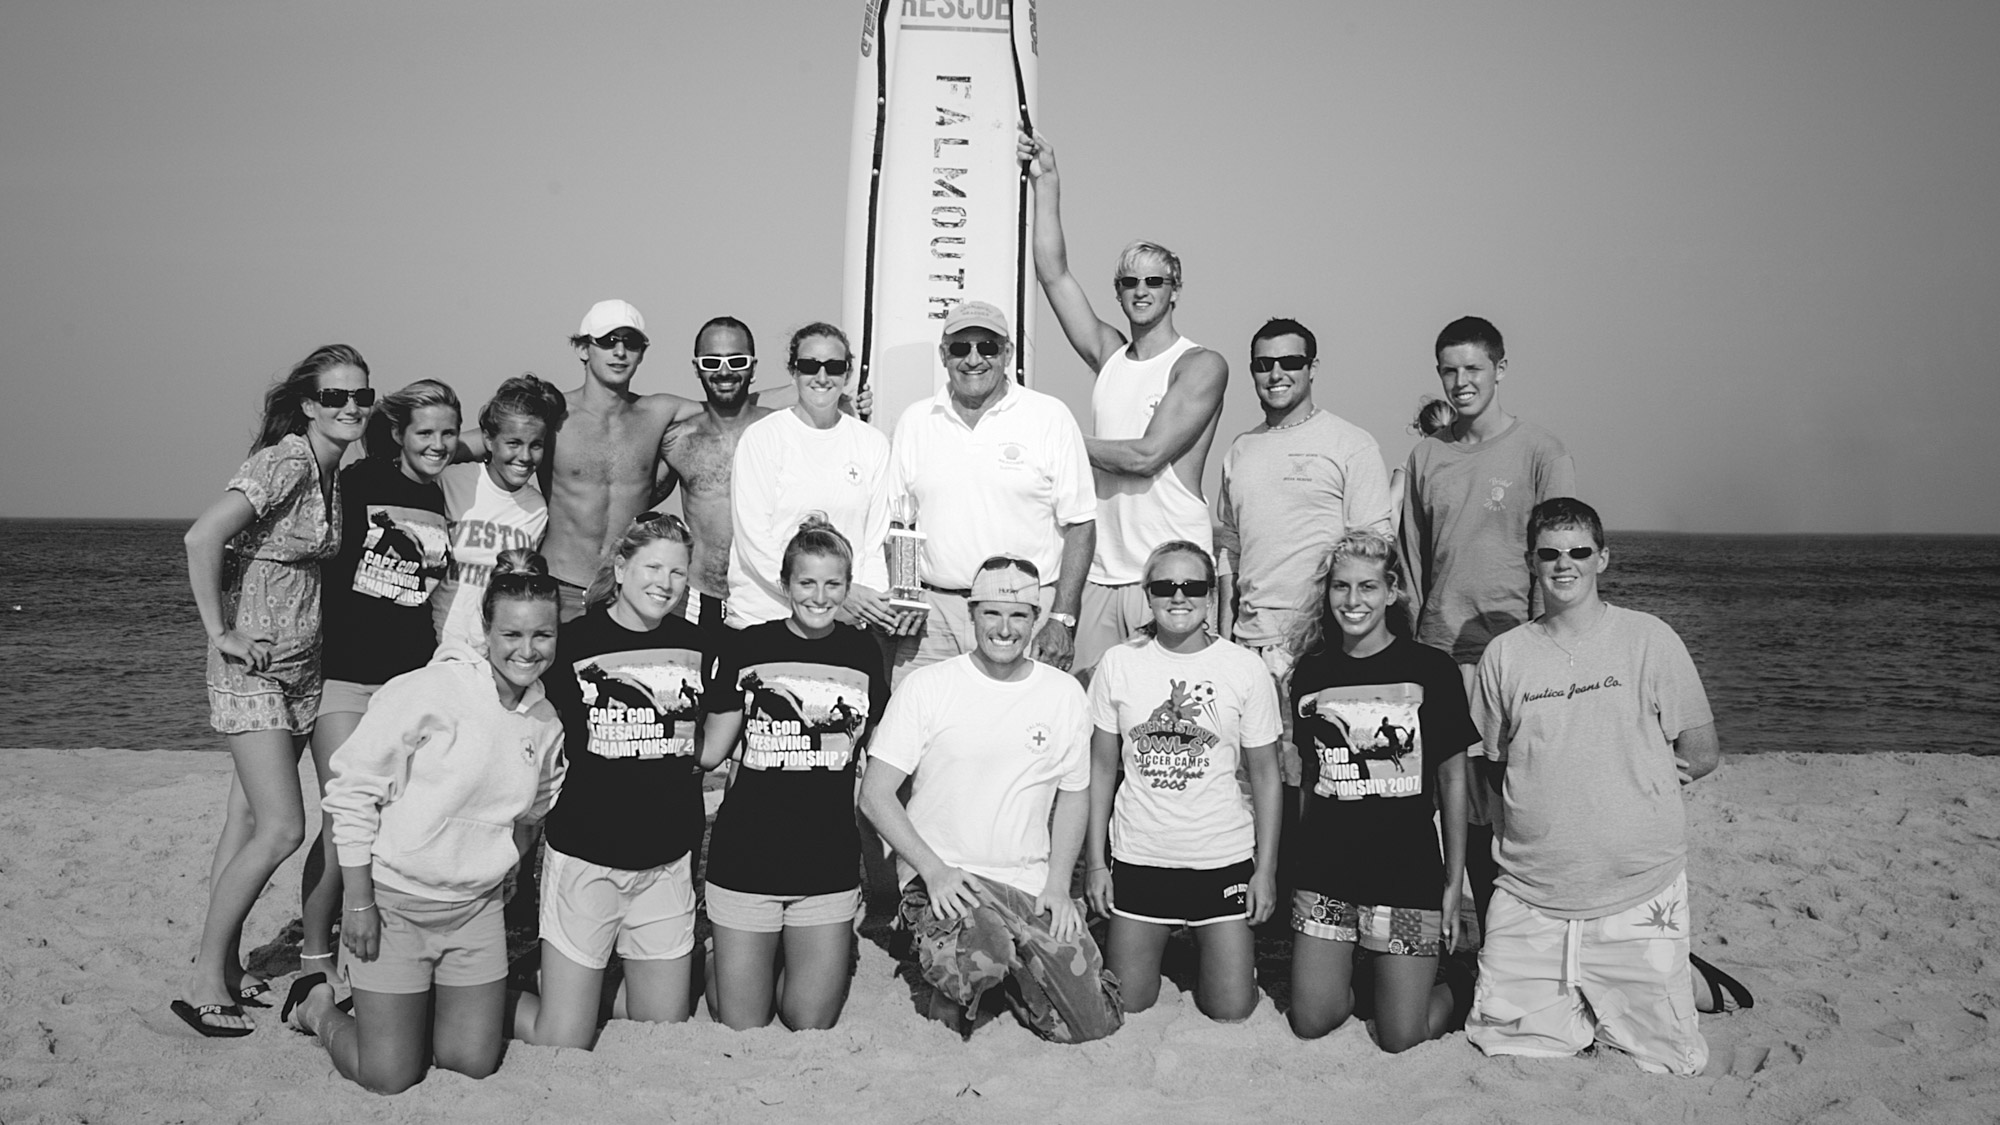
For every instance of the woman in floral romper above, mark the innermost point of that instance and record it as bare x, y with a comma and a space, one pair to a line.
253, 560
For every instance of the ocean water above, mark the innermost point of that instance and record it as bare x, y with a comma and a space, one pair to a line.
1824, 644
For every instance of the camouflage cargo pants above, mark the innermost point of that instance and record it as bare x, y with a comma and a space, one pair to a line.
1059, 989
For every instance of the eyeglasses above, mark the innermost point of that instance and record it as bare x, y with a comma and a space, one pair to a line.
1263, 363
713, 363
812, 366
959, 349
1150, 281
1551, 554
632, 340
1168, 587
333, 398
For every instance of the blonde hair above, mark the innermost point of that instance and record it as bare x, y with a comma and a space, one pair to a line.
646, 527
1314, 625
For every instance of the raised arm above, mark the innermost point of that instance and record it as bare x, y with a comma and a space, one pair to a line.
1190, 406
1093, 339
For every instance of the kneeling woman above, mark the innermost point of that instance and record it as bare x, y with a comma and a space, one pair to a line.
432, 799
784, 862
1383, 726
1187, 848
634, 683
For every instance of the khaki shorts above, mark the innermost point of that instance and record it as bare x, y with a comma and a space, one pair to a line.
345, 697
588, 910
1541, 980
768, 914
425, 942
1107, 617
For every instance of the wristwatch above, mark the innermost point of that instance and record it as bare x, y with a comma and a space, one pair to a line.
1068, 619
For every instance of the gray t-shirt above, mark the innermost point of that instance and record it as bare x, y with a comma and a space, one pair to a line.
1286, 496
1594, 823
1465, 531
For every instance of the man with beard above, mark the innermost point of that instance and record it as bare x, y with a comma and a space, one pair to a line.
699, 450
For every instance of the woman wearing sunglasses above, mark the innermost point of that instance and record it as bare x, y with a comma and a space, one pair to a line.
254, 563
1179, 709
394, 547
494, 506
1382, 729
810, 458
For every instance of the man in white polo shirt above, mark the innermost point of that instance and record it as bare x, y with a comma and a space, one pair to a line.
997, 750
992, 468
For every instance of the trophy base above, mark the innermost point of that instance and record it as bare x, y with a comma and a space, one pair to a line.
917, 605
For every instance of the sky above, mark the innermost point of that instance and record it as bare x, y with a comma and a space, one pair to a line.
1744, 251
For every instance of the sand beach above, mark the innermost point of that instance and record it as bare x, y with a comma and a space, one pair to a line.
1858, 896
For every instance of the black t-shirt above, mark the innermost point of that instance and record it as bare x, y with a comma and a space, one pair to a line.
787, 825
632, 705
1366, 835
374, 595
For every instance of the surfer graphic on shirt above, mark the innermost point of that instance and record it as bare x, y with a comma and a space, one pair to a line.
799, 715
644, 703
1367, 739
405, 554
1171, 746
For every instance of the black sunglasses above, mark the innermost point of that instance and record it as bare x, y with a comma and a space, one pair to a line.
1150, 281
959, 349
632, 340
1263, 363
812, 366
333, 398
1168, 587
1551, 554
724, 362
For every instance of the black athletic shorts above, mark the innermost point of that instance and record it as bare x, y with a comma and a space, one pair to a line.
1173, 896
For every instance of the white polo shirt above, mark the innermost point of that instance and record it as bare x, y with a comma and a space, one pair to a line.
1007, 486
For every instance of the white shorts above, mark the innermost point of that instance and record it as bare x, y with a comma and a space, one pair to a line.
588, 910
1537, 972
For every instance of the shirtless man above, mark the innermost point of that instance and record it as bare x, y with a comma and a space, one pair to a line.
698, 450
1155, 406
604, 461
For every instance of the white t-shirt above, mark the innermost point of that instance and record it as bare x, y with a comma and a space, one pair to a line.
986, 758
485, 520
785, 469
1007, 486
1182, 721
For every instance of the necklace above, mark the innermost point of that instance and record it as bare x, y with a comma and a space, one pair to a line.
1310, 411
1579, 637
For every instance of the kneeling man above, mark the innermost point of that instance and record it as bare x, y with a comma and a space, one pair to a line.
993, 740
1584, 711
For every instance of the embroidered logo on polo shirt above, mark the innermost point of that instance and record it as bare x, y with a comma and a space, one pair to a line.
1012, 453
853, 472
1039, 737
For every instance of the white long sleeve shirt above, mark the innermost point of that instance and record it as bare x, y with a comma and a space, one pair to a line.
428, 788
786, 469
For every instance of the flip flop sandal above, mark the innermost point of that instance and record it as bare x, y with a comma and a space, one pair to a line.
197, 1018
250, 991
1728, 992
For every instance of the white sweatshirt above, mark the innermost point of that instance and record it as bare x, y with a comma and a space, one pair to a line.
429, 786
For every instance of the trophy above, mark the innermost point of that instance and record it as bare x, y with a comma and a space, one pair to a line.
906, 556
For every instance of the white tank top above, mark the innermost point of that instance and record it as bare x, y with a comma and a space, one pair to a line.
1136, 514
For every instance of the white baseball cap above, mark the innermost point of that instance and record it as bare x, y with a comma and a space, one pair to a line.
609, 316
